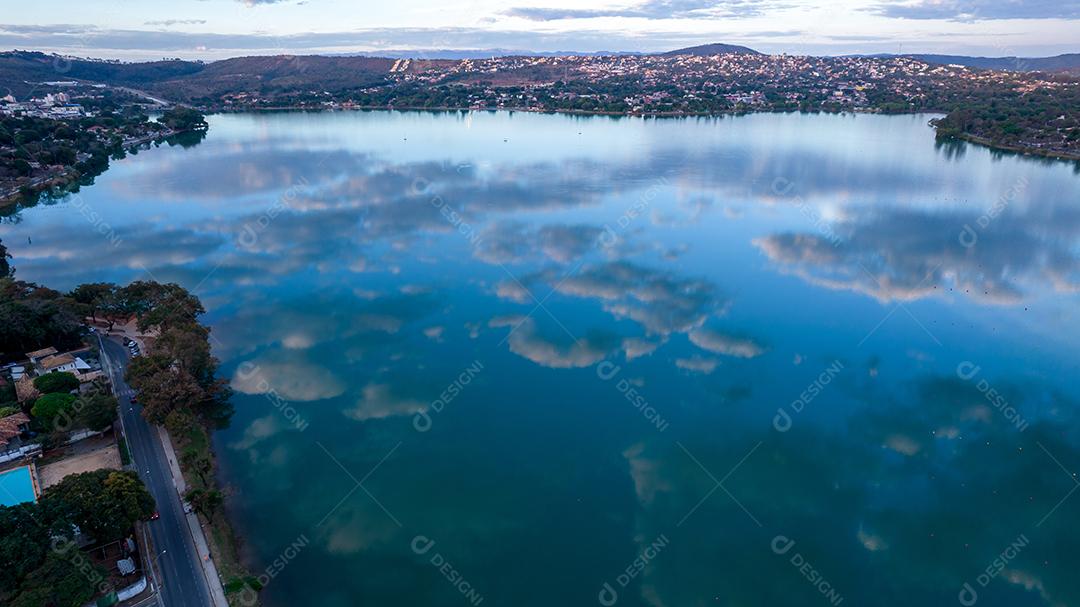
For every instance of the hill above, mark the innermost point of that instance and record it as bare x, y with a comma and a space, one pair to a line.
19, 70
711, 49
1060, 63
276, 74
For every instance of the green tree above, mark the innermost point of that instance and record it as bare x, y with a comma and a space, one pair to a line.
48, 407
205, 501
104, 503
60, 582
197, 462
96, 411
60, 382
5, 267
96, 296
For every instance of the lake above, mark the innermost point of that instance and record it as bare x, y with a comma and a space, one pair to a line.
537, 360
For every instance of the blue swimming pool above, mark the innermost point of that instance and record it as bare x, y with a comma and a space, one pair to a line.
16, 487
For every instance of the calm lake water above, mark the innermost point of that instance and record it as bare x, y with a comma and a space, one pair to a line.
533, 360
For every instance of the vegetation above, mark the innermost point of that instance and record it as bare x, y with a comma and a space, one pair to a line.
183, 119
5, 266
1034, 120
33, 317
49, 407
56, 382
96, 411
37, 153
39, 564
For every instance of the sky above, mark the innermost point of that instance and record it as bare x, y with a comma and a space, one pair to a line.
214, 29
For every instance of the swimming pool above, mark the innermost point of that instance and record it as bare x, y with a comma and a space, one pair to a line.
16, 487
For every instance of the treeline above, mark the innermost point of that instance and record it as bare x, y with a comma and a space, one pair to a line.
1040, 118
177, 379
32, 147
40, 562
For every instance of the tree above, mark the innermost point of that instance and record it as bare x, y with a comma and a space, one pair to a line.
104, 503
163, 387
96, 296
52, 383
47, 408
179, 422
205, 501
96, 411
183, 119
59, 582
5, 267
197, 462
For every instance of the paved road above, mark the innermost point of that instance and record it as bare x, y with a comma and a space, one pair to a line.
183, 583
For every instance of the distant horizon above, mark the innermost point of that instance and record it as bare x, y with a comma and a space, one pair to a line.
452, 54
215, 29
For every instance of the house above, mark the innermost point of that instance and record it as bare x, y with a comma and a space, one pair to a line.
11, 427
25, 390
39, 354
57, 363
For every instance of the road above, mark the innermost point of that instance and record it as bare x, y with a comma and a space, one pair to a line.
183, 582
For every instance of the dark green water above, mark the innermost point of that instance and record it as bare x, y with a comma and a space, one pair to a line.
600, 360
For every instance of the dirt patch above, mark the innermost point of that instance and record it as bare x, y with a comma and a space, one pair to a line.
102, 455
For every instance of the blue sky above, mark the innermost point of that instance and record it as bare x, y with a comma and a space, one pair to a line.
210, 29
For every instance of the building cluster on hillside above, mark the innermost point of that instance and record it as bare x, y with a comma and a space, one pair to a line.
57, 106
740, 79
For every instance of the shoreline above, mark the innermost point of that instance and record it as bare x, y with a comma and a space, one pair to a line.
71, 175
966, 137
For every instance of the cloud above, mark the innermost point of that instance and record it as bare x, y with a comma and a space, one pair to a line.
171, 22
981, 10
289, 377
697, 364
654, 9
379, 402
909, 254
507, 242
635, 347
526, 341
662, 304
727, 345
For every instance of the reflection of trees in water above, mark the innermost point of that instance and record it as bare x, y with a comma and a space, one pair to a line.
952, 149
187, 139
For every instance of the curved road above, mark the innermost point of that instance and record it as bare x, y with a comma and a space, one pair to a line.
184, 583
